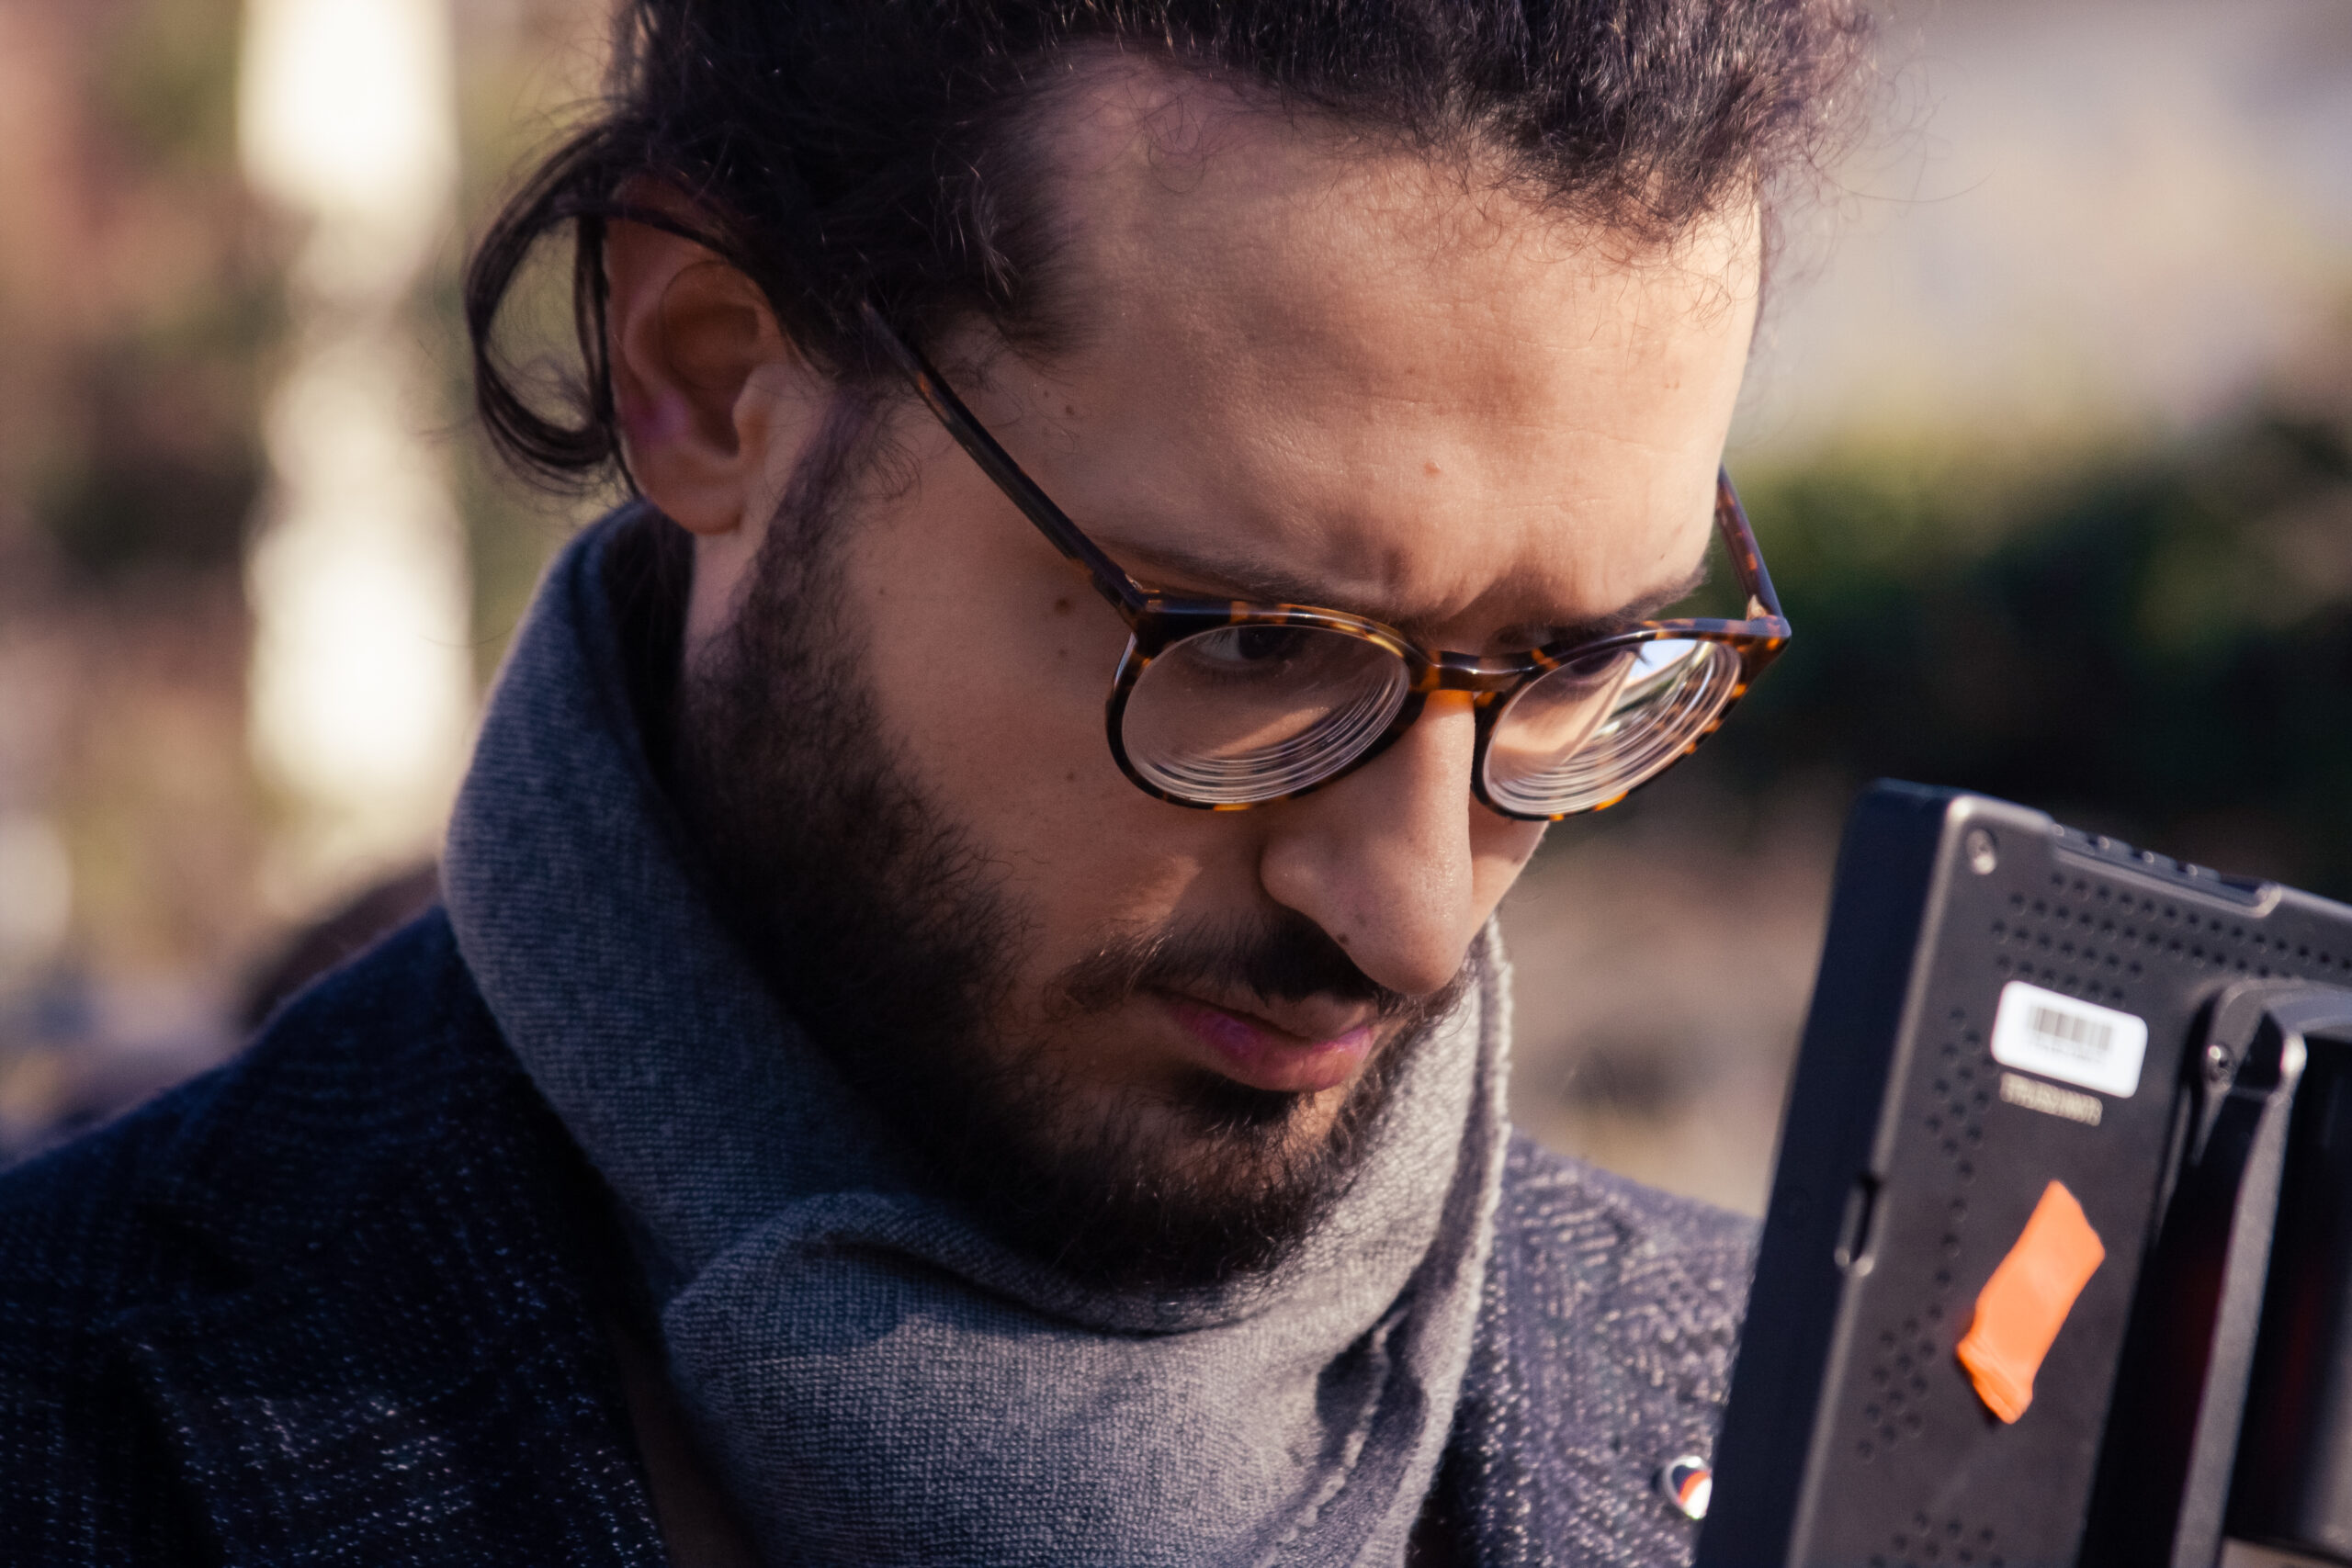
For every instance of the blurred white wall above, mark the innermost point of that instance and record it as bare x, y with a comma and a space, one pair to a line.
362, 682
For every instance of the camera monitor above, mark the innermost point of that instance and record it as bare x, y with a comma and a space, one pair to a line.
2020, 1236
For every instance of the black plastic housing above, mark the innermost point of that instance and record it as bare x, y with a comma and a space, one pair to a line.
1907, 1169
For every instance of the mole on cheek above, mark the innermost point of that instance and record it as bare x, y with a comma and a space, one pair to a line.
1062, 606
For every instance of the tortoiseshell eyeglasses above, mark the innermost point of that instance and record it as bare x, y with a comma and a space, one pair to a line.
1223, 705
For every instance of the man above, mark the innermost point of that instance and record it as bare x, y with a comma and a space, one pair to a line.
867, 1101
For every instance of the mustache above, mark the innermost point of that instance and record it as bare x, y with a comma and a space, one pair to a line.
1284, 958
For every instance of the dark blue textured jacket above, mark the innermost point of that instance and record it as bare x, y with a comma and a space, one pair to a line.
348, 1300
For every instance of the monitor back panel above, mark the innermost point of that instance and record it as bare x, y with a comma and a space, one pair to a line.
1912, 1156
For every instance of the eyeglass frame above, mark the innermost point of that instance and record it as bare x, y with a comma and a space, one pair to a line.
1157, 621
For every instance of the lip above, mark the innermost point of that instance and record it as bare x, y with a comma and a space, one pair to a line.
1249, 1050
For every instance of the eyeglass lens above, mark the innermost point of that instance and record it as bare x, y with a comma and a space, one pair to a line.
1240, 715
1595, 727
1252, 713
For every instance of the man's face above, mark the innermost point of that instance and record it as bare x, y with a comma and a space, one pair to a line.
1298, 371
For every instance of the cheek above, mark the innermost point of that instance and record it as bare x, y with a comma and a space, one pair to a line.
990, 659
992, 690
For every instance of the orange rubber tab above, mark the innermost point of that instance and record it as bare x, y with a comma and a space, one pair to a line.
2020, 1308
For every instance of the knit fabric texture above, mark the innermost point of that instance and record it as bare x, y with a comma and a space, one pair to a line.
340, 1302
875, 1377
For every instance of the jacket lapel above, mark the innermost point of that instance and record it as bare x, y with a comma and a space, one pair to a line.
424, 1381
358, 1426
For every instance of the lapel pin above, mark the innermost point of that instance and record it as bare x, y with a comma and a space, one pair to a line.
1688, 1484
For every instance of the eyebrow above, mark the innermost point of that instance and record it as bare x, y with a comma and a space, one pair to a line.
1255, 583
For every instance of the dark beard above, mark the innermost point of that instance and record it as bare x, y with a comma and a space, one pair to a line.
877, 922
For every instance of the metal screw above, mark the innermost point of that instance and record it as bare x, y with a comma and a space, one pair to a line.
1984, 856
2218, 1060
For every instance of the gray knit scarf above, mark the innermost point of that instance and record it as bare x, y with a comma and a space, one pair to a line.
876, 1379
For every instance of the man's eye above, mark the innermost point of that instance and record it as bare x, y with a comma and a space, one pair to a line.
1250, 648
1586, 674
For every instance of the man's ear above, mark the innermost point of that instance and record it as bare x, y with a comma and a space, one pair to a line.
696, 358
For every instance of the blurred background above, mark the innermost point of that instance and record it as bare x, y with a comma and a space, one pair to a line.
2048, 442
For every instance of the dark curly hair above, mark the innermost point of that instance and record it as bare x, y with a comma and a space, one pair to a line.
839, 152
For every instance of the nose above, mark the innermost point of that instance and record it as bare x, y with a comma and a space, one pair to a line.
1397, 863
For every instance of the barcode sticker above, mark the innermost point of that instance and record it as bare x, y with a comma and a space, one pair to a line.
2074, 1042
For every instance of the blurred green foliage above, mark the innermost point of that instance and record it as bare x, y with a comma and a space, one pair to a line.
2157, 644
165, 85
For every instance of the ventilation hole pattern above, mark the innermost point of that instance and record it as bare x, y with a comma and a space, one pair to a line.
2090, 940
1893, 1410
1946, 1543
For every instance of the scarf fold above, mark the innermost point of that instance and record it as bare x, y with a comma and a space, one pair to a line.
875, 1379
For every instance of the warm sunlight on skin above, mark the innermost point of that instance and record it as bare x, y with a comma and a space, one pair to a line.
1301, 371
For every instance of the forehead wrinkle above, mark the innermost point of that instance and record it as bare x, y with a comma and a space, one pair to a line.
1521, 608
1346, 412
1337, 515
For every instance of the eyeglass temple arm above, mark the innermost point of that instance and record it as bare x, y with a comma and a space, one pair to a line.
1126, 595
1747, 558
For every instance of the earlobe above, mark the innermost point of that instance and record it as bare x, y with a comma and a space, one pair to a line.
689, 335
